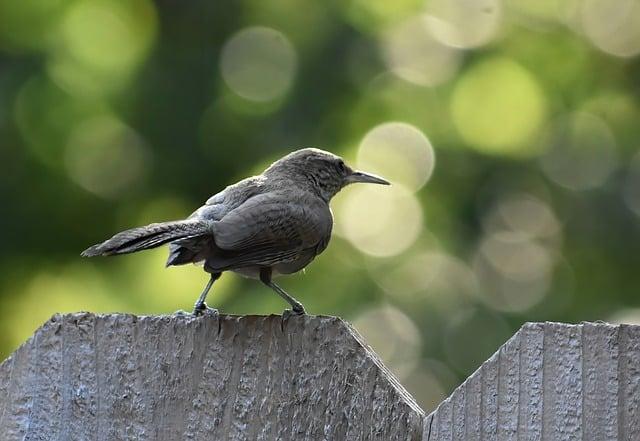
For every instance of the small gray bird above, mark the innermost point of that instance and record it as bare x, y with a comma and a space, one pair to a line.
266, 225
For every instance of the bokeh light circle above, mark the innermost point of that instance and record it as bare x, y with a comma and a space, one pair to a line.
431, 275
412, 53
612, 26
498, 107
513, 271
393, 335
106, 157
109, 35
582, 152
464, 23
515, 257
258, 63
100, 44
523, 213
398, 151
379, 221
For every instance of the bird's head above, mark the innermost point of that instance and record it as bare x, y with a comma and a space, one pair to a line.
325, 172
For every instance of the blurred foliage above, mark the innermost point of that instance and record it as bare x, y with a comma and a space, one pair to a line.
509, 128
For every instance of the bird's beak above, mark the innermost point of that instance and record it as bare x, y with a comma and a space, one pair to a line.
358, 176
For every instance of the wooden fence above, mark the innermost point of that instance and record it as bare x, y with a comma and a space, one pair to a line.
122, 377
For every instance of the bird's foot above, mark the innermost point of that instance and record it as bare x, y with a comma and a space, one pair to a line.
201, 309
297, 309
180, 312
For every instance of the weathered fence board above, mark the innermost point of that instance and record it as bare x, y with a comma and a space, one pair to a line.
122, 377
553, 381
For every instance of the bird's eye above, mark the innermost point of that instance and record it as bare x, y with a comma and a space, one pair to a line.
342, 167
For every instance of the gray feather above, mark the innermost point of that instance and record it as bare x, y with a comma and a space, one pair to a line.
149, 236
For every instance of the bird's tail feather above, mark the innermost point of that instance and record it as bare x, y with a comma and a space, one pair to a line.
149, 236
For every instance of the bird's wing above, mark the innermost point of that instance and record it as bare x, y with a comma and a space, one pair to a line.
214, 209
221, 203
239, 192
272, 228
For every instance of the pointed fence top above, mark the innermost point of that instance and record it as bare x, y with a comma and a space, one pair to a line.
115, 377
550, 381
86, 376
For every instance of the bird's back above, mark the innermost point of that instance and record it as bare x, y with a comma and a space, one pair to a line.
218, 205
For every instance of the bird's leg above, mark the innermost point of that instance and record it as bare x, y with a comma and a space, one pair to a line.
201, 307
296, 306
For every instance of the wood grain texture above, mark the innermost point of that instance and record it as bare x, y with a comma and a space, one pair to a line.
551, 381
122, 377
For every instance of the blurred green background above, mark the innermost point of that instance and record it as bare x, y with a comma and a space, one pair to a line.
509, 128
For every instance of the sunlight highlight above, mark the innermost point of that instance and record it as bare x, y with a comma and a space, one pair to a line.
106, 157
498, 107
398, 151
411, 52
258, 63
380, 222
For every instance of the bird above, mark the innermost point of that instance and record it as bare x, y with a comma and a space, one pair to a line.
263, 226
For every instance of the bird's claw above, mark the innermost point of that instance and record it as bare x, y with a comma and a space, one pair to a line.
296, 310
202, 310
288, 313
